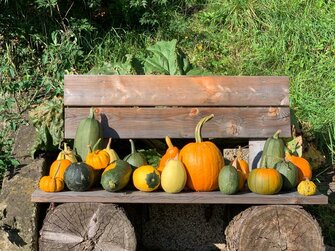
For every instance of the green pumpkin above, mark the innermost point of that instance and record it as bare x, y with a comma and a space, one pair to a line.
265, 181
273, 151
116, 176
79, 176
228, 180
135, 158
289, 174
88, 132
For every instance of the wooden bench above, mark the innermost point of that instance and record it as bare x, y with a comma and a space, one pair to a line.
151, 107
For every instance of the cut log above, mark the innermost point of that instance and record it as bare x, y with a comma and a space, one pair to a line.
87, 226
274, 228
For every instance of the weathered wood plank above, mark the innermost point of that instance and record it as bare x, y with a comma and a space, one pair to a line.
215, 197
146, 90
180, 122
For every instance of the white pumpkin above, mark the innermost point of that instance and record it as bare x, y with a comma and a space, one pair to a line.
173, 177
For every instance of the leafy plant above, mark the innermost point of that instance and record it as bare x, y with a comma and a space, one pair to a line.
48, 121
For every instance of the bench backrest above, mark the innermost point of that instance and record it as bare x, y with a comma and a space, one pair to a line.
153, 106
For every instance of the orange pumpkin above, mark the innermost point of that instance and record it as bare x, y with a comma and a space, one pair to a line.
304, 168
202, 160
52, 183
170, 153
62, 164
97, 159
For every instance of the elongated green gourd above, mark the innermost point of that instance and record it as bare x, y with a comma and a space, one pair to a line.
273, 151
88, 132
228, 180
116, 176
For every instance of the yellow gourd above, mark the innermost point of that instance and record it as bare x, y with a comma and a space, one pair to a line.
112, 154
173, 177
68, 154
306, 188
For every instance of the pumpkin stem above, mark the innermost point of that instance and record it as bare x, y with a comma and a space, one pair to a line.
198, 137
91, 114
276, 135
132, 145
239, 153
95, 145
168, 141
108, 147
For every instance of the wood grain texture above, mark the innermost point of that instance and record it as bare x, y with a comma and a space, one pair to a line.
215, 197
153, 90
180, 122
274, 227
87, 226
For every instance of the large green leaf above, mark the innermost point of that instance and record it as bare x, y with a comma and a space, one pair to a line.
163, 59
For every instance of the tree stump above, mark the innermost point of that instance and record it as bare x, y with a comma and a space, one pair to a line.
276, 227
87, 226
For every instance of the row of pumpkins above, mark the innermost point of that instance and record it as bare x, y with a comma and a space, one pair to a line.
198, 165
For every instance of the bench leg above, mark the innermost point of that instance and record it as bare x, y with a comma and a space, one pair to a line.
87, 226
274, 227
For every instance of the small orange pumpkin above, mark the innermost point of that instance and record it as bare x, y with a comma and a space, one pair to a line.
52, 183
97, 159
304, 168
170, 153
61, 165
202, 160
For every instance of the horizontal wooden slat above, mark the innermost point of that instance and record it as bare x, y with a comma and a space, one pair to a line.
215, 197
180, 122
149, 90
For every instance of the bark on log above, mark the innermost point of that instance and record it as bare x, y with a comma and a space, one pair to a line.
87, 226
274, 228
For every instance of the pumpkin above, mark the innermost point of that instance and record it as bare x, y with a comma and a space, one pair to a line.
58, 168
306, 187
242, 164
289, 174
112, 154
97, 159
67, 153
202, 160
173, 176
265, 181
135, 158
241, 175
52, 183
79, 176
170, 153
273, 151
146, 178
229, 180
116, 176
88, 133
302, 164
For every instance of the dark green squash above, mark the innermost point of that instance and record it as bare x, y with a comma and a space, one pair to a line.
289, 174
88, 132
116, 176
273, 151
135, 158
79, 176
228, 180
